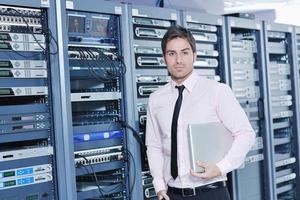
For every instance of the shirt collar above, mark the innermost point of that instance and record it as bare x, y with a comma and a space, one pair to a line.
189, 83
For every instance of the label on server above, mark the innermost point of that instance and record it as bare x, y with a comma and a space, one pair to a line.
34, 179
255, 158
23, 91
19, 73
147, 50
33, 126
285, 162
95, 96
286, 178
274, 34
282, 103
20, 118
201, 27
243, 45
246, 60
25, 171
144, 61
25, 153
19, 46
206, 62
145, 91
152, 79
282, 114
280, 68
206, 37
245, 75
207, 52
23, 64
19, 37
277, 46
142, 32
151, 22
246, 92
281, 85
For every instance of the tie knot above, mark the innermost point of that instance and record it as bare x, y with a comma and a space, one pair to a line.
180, 88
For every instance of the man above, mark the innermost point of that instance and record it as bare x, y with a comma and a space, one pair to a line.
189, 98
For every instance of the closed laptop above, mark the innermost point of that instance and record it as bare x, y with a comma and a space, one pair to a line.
209, 142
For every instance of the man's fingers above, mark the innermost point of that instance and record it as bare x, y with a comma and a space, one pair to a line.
204, 175
200, 175
194, 173
164, 197
202, 164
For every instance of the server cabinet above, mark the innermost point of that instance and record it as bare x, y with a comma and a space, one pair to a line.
247, 79
147, 26
283, 111
209, 33
96, 35
28, 108
297, 53
297, 72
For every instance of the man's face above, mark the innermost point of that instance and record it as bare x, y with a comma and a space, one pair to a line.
179, 59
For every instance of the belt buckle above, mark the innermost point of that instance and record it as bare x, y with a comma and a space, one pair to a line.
188, 194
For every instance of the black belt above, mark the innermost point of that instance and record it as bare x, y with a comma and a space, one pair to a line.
186, 192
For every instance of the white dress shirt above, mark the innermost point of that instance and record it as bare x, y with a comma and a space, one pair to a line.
204, 101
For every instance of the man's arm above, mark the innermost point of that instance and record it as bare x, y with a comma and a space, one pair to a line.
154, 149
235, 119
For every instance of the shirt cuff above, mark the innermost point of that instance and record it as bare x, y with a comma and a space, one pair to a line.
159, 184
224, 167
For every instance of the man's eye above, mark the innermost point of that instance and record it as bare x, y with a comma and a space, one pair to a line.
185, 53
171, 54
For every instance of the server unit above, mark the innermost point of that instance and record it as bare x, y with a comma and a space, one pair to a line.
97, 68
284, 113
247, 79
147, 27
27, 130
209, 33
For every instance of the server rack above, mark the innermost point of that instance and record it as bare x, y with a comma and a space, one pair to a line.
96, 38
247, 79
297, 51
147, 26
297, 72
209, 33
29, 164
283, 111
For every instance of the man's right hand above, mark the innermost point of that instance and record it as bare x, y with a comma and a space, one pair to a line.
162, 195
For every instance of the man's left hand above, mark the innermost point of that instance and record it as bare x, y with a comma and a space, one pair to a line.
210, 170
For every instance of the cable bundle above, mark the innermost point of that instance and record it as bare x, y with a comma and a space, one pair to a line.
101, 66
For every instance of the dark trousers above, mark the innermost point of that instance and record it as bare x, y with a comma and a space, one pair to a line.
212, 194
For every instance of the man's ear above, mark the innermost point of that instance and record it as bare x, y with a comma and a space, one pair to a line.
164, 60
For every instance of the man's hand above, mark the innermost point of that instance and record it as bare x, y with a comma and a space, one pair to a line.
162, 195
210, 170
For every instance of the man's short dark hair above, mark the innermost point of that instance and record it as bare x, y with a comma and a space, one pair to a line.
178, 32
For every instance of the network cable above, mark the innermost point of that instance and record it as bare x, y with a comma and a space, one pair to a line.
47, 32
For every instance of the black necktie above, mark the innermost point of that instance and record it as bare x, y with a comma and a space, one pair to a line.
174, 167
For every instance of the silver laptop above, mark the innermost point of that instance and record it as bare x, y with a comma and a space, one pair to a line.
208, 143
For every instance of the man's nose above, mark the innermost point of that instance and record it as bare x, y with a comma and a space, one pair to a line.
179, 58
